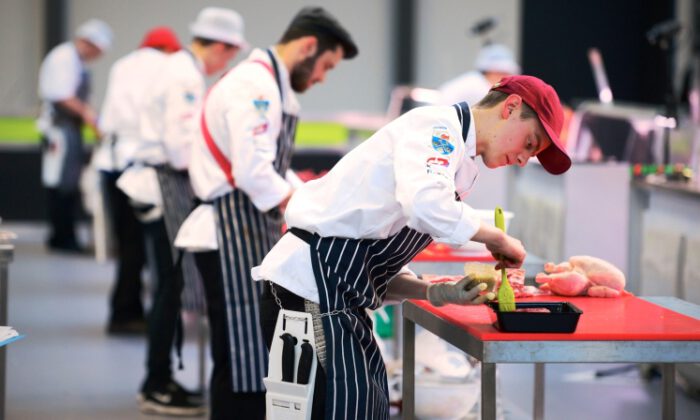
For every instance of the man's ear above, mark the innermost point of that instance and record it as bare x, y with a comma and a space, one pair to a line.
309, 45
510, 104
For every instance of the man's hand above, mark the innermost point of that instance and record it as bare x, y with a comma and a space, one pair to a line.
507, 250
458, 293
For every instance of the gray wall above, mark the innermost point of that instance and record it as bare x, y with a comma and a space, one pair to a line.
443, 48
21, 39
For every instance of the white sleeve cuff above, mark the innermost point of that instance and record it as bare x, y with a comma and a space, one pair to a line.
276, 191
465, 229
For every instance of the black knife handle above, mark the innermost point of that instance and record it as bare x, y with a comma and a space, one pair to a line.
305, 360
288, 357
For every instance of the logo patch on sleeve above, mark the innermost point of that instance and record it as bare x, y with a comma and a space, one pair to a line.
260, 128
190, 97
441, 141
437, 161
261, 105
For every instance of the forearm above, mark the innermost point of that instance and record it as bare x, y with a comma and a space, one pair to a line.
488, 234
80, 109
74, 105
406, 286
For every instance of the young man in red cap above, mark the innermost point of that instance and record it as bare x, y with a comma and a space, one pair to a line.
119, 123
352, 232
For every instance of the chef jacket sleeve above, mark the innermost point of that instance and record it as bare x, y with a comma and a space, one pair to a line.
426, 159
110, 109
59, 77
254, 121
293, 179
183, 100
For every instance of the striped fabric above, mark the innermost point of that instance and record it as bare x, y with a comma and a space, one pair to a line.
178, 201
352, 275
245, 236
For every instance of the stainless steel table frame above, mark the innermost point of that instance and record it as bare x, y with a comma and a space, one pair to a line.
6, 255
666, 353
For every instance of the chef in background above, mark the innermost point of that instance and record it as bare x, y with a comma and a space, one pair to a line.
240, 164
353, 231
128, 78
494, 62
64, 88
169, 125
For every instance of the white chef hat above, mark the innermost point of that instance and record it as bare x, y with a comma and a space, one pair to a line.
219, 24
496, 57
97, 32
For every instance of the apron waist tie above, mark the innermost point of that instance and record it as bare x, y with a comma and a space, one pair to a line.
302, 234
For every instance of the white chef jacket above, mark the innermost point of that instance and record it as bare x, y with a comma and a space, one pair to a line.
129, 78
59, 79
398, 177
470, 87
244, 115
169, 121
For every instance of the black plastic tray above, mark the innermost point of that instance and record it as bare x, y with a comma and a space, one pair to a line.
561, 318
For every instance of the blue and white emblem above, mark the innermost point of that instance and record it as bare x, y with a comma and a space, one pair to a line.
441, 141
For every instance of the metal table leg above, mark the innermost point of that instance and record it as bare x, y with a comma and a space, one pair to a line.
488, 391
669, 391
409, 354
538, 402
6, 255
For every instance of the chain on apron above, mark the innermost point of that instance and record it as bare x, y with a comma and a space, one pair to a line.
353, 275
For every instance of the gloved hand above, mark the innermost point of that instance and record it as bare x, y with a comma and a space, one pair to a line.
464, 292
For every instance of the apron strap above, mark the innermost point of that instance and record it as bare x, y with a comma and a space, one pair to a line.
221, 159
464, 118
305, 236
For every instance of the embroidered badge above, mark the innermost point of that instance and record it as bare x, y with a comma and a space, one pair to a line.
437, 161
261, 105
441, 141
437, 170
259, 129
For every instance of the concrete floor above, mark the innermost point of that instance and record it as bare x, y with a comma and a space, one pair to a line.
67, 368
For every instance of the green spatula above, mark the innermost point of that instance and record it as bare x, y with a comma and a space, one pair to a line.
506, 297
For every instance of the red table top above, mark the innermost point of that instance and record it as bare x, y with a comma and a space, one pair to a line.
436, 252
603, 319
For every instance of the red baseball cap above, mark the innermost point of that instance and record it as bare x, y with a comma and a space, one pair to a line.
543, 99
161, 37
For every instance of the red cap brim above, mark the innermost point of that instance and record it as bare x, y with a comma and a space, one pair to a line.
554, 158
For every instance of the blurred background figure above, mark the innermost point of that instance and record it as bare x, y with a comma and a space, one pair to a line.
119, 124
64, 88
169, 124
494, 62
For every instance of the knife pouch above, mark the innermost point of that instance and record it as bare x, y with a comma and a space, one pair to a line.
290, 400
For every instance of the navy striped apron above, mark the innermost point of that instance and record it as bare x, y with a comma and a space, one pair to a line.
71, 126
352, 275
246, 235
179, 200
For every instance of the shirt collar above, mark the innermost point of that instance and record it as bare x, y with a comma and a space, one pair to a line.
470, 141
199, 64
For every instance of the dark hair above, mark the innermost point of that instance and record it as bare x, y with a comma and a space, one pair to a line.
316, 22
495, 97
205, 42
